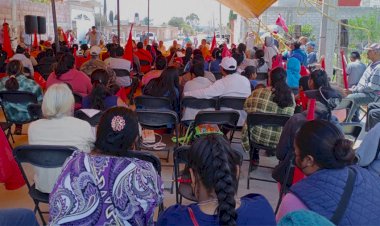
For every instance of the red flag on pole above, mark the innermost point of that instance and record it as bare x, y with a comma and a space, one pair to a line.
213, 43
65, 37
35, 41
7, 46
282, 23
323, 63
226, 52
345, 80
128, 51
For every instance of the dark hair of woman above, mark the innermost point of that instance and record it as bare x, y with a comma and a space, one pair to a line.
281, 91
84, 47
259, 55
14, 68
140, 45
149, 48
20, 50
161, 62
197, 67
117, 131
99, 80
214, 164
165, 85
75, 46
320, 79
197, 52
188, 53
119, 51
217, 54
248, 72
304, 83
296, 44
325, 143
65, 63
238, 57
241, 48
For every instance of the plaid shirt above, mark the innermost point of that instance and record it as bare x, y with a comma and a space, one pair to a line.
19, 112
261, 100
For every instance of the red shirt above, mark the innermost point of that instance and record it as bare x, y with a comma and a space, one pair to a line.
78, 80
146, 60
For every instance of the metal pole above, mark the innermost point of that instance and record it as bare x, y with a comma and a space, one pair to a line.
148, 17
118, 20
220, 21
56, 39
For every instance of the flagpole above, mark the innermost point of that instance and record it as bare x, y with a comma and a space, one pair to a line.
148, 17
56, 40
118, 20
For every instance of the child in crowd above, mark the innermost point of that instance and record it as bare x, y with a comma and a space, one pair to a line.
250, 73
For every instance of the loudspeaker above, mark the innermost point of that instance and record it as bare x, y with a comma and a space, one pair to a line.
41, 20
344, 40
31, 24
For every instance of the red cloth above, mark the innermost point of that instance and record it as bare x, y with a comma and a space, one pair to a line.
311, 111
277, 61
213, 43
304, 71
7, 46
79, 60
323, 63
35, 41
123, 93
146, 60
10, 174
128, 51
345, 79
226, 52
40, 80
303, 100
78, 80
282, 23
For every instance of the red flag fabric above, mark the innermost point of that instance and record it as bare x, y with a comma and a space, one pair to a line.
311, 111
282, 23
128, 51
213, 43
345, 79
226, 52
35, 41
323, 63
65, 37
7, 46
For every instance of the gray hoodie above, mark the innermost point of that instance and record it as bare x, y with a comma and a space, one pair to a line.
367, 151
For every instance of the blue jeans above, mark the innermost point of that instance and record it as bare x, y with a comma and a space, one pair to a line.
359, 100
17, 217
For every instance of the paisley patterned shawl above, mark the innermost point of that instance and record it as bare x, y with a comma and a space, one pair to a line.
105, 190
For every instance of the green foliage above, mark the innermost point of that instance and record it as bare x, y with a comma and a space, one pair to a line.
192, 20
145, 21
41, 1
306, 30
370, 22
181, 24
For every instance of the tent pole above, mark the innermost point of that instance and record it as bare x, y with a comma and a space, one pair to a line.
118, 20
56, 39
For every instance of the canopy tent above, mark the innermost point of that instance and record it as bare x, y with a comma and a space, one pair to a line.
248, 8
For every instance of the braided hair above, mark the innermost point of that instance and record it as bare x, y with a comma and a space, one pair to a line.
214, 163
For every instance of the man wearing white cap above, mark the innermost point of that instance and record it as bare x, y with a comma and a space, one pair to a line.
368, 88
232, 84
94, 63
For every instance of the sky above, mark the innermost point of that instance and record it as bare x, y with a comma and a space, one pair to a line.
162, 10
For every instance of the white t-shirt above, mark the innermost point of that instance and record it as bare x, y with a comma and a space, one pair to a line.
118, 63
63, 131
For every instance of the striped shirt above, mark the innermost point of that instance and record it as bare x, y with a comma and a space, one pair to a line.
369, 83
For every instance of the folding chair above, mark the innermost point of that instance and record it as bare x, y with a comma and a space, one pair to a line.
13, 98
352, 130
226, 119
45, 156
78, 100
262, 119
123, 77
93, 121
198, 104
153, 120
182, 178
235, 103
35, 111
346, 104
150, 102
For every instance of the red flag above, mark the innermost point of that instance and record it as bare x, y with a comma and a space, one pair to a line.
213, 43
345, 80
65, 37
310, 112
282, 23
226, 52
323, 63
128, 50
7, 46
35, 41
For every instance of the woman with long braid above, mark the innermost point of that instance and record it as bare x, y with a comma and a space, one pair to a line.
214, 170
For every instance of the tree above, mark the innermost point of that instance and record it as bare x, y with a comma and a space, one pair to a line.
177, 22
111, 17
359, 36
145, 21
306, 30
192, 20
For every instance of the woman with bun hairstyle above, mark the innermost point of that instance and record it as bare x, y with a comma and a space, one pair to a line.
214, 171
326, 158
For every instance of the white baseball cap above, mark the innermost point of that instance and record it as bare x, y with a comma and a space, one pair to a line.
95, 50
228, 63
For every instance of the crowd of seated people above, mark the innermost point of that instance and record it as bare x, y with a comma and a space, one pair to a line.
110, 188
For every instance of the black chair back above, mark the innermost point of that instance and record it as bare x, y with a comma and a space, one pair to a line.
195, 103
150, 102
16, 97
228, 118
145, 156
153, 119
262, 76
35, 111
352, 129
78, 98
94, 120
346, 104
236, 103
122, 73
